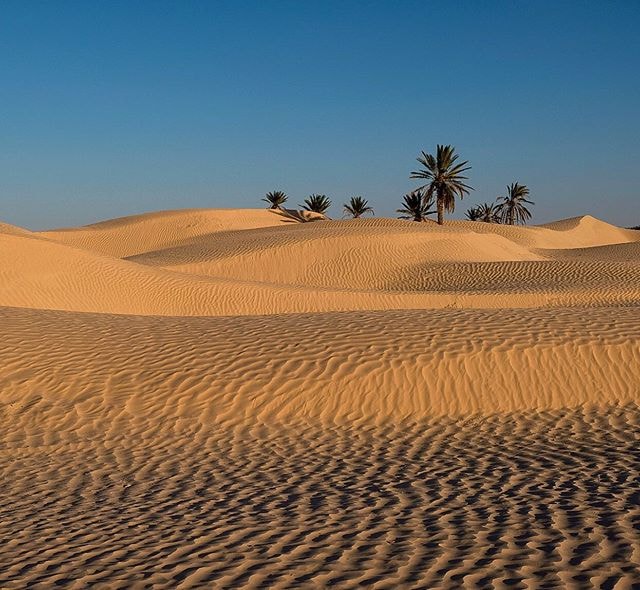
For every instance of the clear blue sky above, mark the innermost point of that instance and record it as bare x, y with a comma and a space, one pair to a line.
113, 108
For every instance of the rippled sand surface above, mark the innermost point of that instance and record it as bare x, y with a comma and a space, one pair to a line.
236, 399
534, 500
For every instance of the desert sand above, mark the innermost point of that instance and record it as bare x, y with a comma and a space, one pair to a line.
239, 399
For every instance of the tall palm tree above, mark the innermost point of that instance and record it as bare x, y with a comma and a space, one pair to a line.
511, 209
276, 199
317, 203
416, 206
357, 207
445, 178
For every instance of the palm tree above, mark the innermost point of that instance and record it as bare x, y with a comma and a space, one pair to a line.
487, 212
416, 206
512, 208
317, 203
473, 213
357, 207
445, 178
276, 199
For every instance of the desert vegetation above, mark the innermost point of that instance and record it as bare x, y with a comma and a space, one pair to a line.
417, 206
276, 199
446, 182
512, 207
357, 207
445, 178
317, 203
487, 212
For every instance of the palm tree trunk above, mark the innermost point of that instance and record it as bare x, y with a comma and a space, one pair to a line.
511, 216
440, 210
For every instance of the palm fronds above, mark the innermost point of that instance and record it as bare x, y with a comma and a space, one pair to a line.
487, 212
445, 178
416, 206
473, 213
357, 207
512, 209
316, 203
276, 199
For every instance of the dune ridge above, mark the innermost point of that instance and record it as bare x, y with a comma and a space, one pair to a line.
200, 263
136, 234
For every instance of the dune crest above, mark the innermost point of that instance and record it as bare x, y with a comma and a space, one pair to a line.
136, 234
14, 230
246, 262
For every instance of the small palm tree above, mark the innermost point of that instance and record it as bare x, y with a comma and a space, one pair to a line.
317, 203
488, 212
276, 199
473, 213
511, 209
445, 178
357, 207
416, 206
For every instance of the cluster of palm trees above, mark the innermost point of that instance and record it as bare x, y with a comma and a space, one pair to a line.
316, 203
510, 209
355, 208
487, 212
445, 181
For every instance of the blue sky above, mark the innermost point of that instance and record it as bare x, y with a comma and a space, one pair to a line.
114, 108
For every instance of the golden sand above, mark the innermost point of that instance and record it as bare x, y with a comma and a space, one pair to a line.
232, 398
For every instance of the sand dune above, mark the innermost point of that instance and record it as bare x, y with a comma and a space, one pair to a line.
137, 234
544, 500
360, 255
353, 367
577, 232
626, 252
314, 267
237, 399
14, 230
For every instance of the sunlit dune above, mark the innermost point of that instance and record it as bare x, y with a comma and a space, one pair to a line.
242, 398
208, 263
136, 234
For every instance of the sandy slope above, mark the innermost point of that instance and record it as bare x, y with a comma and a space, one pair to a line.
315, 267
14, 230
324, 422
353, 367
127, 236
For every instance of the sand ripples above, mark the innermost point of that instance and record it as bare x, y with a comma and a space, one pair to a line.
348, 367
213, 263
325, 422
553, 504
